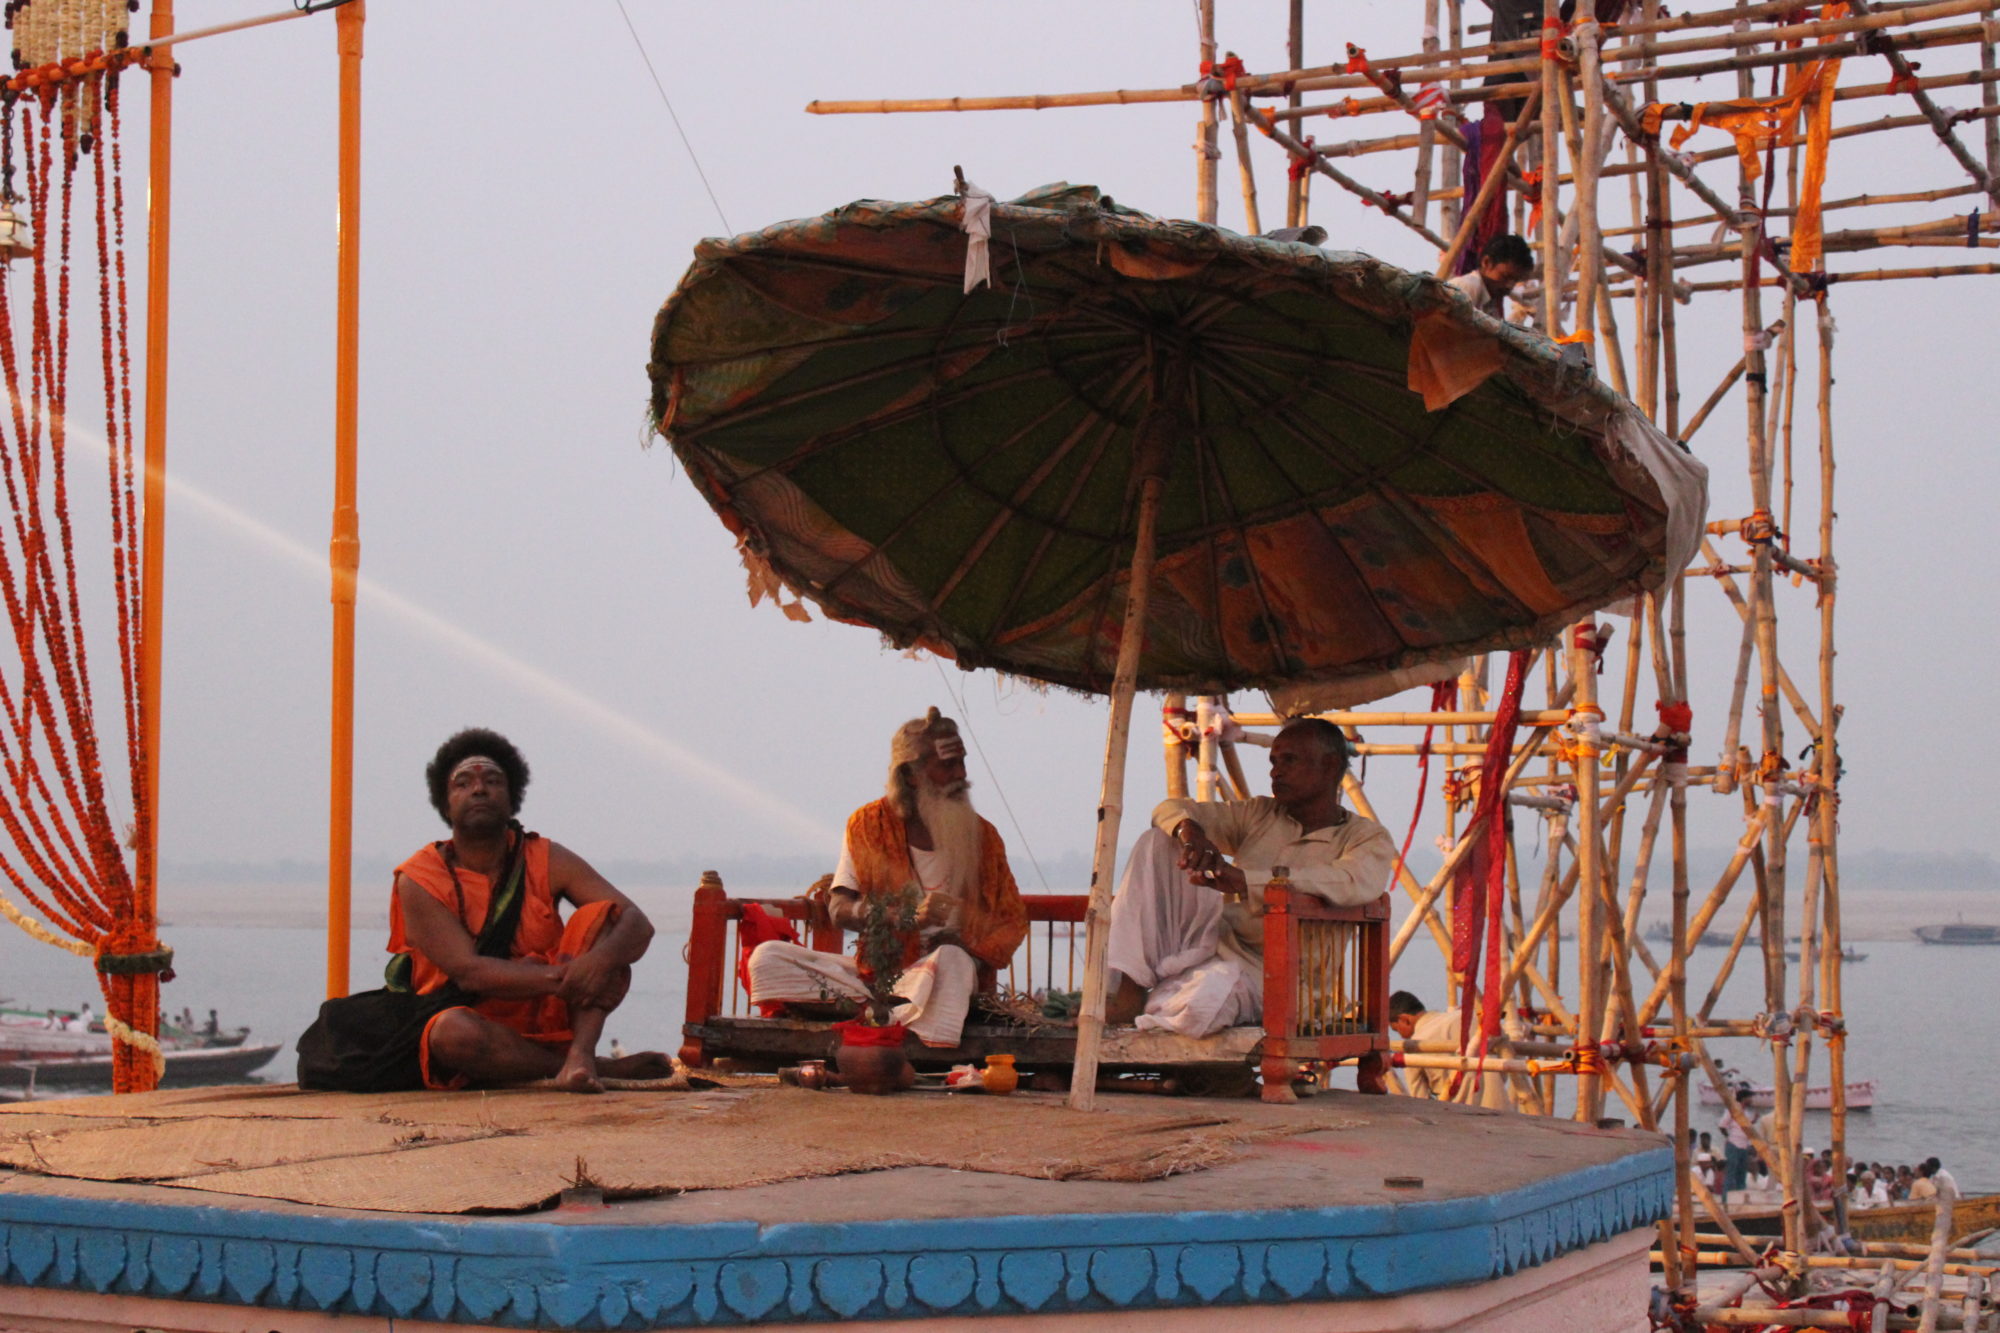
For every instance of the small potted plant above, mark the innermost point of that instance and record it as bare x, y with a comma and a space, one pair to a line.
871, 1058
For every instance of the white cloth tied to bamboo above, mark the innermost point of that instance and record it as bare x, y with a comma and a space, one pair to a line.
977, 224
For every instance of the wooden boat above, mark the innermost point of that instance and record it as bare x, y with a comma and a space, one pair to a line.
93, 1072
1848, 955
1959, 932
26, 1034
1860, 1097
1907, 1223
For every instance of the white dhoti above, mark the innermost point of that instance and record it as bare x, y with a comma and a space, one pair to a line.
1169, 936
938, 987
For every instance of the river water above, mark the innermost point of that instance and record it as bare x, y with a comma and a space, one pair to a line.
1924, 1021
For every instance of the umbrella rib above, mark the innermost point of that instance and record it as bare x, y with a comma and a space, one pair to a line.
1048, 537
1025, 489
1205, 449
959, 477
765, 406
743, 260
1463, 559
1312, 509
1386, 377
1486, 483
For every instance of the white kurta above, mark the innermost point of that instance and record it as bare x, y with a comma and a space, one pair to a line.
938, 987
1201, 959
1473, 285
1439, 1027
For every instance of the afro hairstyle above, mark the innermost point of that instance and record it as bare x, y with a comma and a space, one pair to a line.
480, 741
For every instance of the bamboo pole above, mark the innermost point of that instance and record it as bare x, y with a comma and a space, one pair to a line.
1295, 51
1238, 110
1389, 207
1205, 150
1989, 94
1934, 1264
1553, 267
1709, 404
344, 554
1177, 751
1886, 46
1459, 63
1826, 811
1420, 191
1469, 219
1111, 802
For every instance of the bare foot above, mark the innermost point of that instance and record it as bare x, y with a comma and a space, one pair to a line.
641, 1064
578, 1076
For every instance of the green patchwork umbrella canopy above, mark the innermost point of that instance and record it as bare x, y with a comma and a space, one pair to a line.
959, 470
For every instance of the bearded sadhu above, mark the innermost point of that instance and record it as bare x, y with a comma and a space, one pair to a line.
922, 833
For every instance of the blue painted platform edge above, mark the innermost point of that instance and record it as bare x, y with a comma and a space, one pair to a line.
615, 1276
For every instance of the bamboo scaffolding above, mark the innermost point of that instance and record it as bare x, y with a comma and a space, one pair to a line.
1576, 770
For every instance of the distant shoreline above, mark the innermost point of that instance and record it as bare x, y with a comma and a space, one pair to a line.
1867, 915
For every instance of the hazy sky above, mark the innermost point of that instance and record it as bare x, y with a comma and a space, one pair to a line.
534, 566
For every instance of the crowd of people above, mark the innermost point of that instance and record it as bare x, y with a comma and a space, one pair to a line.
1738, 1166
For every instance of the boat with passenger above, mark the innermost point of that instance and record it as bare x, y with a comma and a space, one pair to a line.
1959, 932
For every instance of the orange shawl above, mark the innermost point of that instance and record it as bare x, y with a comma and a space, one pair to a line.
996, 920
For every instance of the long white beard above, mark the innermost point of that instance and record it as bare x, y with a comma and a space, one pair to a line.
957, 836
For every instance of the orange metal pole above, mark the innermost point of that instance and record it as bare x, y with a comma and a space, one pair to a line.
153, 538
344, 555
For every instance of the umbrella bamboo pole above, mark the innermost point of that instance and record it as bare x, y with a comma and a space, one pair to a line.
1111, 802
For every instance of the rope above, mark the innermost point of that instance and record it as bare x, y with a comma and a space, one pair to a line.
668, 103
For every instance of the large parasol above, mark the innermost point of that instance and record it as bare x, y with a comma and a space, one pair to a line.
1151, 455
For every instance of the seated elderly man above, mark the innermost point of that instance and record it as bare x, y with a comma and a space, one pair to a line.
1187, 929
923, 832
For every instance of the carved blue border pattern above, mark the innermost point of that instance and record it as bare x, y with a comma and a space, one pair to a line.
606, 1275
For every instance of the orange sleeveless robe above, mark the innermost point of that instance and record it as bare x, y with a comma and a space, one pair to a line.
542, 937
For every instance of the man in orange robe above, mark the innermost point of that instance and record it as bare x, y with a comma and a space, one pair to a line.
489, 984
922, 834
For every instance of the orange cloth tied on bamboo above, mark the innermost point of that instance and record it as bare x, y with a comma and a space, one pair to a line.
995, 919
542, 937
1763, 123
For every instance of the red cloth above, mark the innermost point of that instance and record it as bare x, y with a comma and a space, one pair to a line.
756, 927
854, 1032
1482, 880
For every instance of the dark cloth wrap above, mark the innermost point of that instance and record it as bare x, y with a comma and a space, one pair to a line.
373, 1042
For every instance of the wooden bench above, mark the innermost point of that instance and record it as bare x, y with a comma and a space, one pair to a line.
1326, 997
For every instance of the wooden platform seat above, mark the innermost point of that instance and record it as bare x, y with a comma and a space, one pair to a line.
1326, 997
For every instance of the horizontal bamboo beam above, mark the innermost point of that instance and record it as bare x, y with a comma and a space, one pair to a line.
1546, 717
1873, 275
1442, 66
